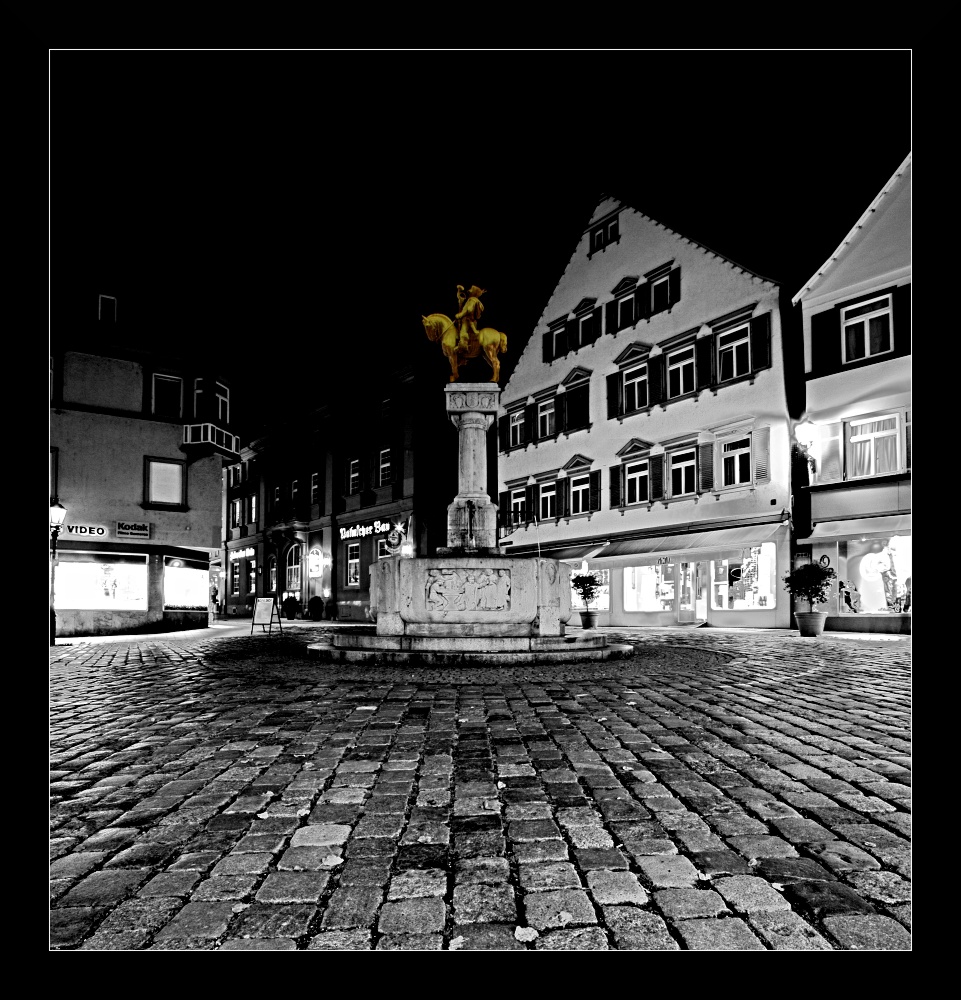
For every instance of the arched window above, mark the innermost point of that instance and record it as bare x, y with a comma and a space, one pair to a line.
293, 567
272, 574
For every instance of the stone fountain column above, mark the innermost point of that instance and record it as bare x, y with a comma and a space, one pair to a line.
472, 517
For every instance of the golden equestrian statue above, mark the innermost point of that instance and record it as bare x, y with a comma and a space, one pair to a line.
460, 339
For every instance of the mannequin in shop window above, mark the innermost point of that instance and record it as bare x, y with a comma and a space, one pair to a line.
850, 596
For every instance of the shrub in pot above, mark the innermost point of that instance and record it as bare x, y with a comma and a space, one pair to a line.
315, 608
587, 586
810, 583
291, 606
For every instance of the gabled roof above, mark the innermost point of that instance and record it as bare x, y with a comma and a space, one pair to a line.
869, 211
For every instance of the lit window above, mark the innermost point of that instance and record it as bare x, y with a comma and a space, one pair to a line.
736, 462
637, 480
293, 488
382, 551
734, 354
235, 507
518, 506
252, 508
516, 428
167, 396
746, 580
293, 568
165, 482
353, 565
353, 476
251, 576
315, 487
680, 373
545, 419
272, 573
649, 588
581, 495
101, 581
548, 500
186, 584
234, 578
384, 471
602, 599
866, 329
682, 473
635, 388
872, 447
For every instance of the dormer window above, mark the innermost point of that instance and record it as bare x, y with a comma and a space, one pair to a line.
603, 235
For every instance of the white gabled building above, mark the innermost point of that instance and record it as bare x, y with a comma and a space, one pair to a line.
856, 315
645, 432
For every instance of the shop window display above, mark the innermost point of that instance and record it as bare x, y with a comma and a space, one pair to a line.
649, 588
185, 585
602, 601
745, 580
95, 581
875, 575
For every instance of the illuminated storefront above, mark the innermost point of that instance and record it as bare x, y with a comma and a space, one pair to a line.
358, 547
102, 581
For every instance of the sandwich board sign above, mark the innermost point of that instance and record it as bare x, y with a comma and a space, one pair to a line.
265, 610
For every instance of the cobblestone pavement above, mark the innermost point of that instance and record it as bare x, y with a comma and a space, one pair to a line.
722, 790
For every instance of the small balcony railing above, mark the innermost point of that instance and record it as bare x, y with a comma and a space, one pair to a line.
212, 434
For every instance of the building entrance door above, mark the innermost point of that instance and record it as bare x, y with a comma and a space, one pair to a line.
686, 591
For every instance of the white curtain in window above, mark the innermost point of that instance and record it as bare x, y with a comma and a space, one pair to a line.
878, 438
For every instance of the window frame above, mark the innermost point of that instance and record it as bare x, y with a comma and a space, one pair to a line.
236, 512
223, 402
723, 455
848, 439
515, 423
353, 473
382, 465
251, 514
315, 487
547, 408
150, 504
153, 396
518, 510
250, 575
669, 367
292, 574
547, 492
636, 477
674, 457
888, 311
657, 283
580, 490
633, 384
272, 574
745, 330
352, 559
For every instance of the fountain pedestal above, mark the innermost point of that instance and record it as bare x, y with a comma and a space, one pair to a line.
469, 603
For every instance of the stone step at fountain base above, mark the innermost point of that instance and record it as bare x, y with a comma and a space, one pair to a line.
472, 650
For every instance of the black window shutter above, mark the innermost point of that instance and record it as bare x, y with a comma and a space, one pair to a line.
572, 340
530, 422
705, 464
674, 287
615, 471
548, 347
762, 455
505, 509
596, 324
655, 379
642, 301
563, 497
560, 412
612, 317
615, 395
902, 320
503, 432
761, 342
656, 465
596, 489
576, 407
826, 342
704, 362
533, 498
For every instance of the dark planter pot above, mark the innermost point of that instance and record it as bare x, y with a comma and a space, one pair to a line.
588, 619
810, 623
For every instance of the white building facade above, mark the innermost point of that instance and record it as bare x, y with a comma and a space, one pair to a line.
644, 433
856, 430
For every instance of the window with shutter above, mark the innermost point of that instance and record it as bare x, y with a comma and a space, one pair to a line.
530, 422
683, 467
736, 462
635, 388
761, 442
637, 482
826, 342
615, 399
866, 329
704, 362
518, 507
660, 295
516, 438
547, 506
734, 353
595, 494
657, 477
615, 474
761, 342
576, 408
546, 426
680, 372
503, 433
655, 379
572, 336
706, 466
642, 301
580, 494
610, 317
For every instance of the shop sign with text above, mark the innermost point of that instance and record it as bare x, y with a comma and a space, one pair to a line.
363, 530
133, 529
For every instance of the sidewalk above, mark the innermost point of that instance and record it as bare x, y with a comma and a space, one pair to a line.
722, 790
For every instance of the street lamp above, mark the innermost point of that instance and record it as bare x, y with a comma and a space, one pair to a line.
58, 514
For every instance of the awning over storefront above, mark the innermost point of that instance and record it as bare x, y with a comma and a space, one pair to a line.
572, 553
862, 527
693, 543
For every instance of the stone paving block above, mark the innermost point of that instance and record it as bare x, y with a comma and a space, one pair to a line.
880, 887
589, 837
109, 839
787, 870
199, 861
748, 894
259, 843
75, 866
731, 934
258, 944
762, 847
689, 904
170, 884
320, 835
298, 859
841, 857
543, 850
69, 925
484, 937
427, 833
651, 847
825, 899
613, 887
548, 875
417, 882
105, 889
352, 906
411, 942
675, 872
243, 864
577, 939
198, 920
868, 933
591, 859
131, 925
638, 930
477, 845
558, 908
412, 916
273, 920
225, 887
521, 831
293, 887
720, 862
143, 856
476, 904
357, 940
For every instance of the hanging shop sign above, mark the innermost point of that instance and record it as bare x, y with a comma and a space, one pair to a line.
133, 529
315, 562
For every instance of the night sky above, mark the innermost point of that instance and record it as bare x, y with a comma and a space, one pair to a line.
293, 214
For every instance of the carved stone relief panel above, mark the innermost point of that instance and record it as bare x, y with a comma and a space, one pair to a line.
468, 589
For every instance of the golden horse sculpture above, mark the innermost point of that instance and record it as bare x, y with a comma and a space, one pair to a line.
459, 337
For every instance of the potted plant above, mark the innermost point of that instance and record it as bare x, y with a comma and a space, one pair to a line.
811, 583
290, 606
587, 586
